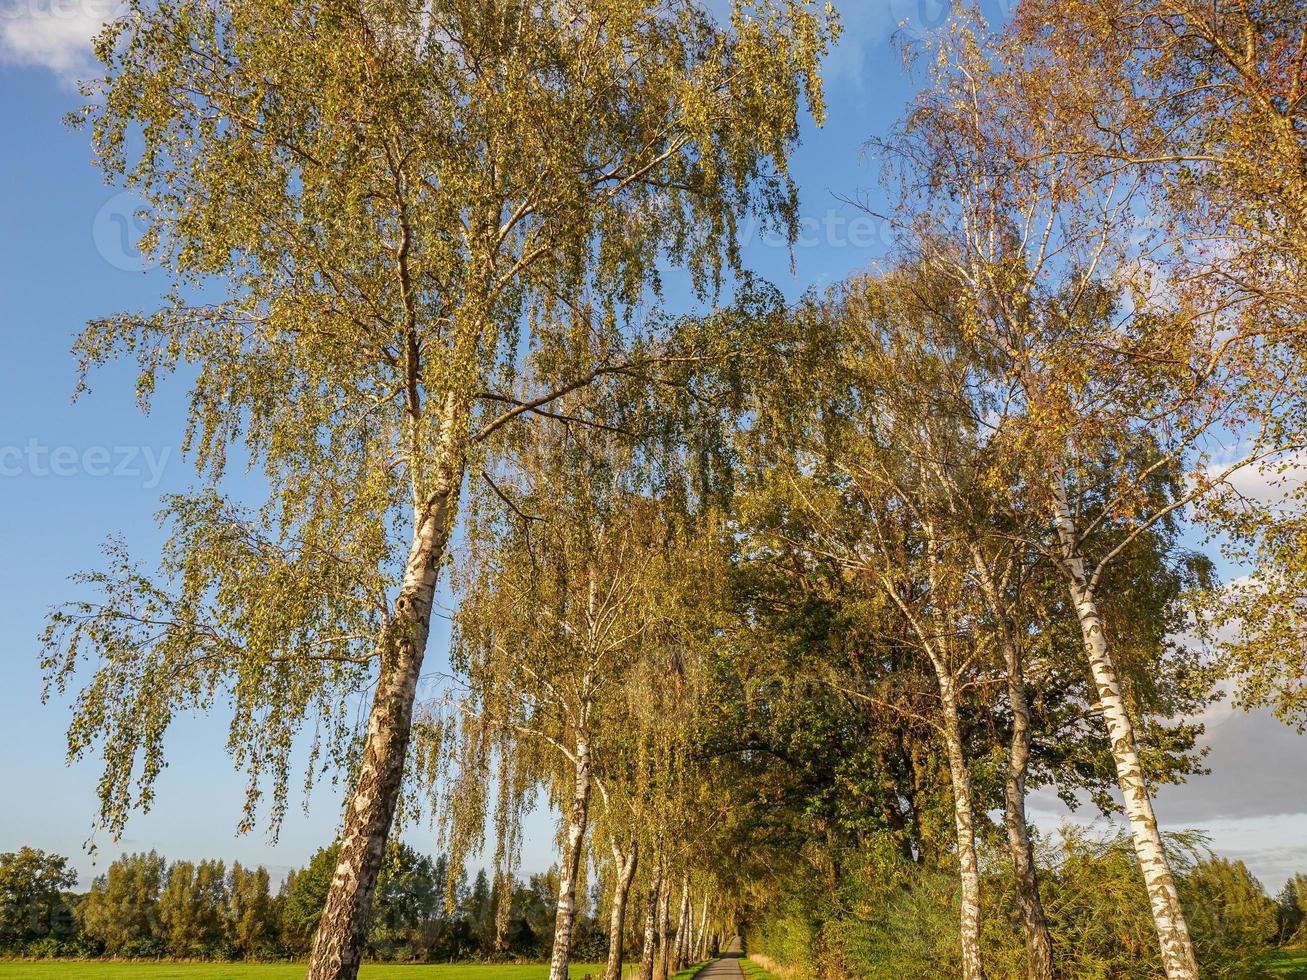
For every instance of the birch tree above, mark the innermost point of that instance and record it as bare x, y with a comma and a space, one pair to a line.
626, 862
945, 413
640, 767
682, 809
897, 417
648, 946
952, 413
861, 473
387, 202
556, 609
906, 557
1206, 105
1000, 200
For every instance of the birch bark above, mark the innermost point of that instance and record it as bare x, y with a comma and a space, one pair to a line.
935, 646
578, 817
682, 928
1168, 917
968, 864
342, 929
664, 925
701, 947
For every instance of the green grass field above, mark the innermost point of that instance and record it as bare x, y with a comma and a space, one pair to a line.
1288, 964
91, 970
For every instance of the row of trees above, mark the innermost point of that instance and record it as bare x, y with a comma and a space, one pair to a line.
784, 608
143, 906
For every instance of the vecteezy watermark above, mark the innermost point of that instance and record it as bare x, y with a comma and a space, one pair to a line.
922, 19
35, 459
93, 11
833, 228
118, 229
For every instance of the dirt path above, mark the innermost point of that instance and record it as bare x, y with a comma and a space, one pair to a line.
727, 968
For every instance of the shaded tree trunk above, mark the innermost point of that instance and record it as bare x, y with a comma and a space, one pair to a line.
577, 820
649, 954
1039, 944
626, 868
342, 928
1168, 916
968, 864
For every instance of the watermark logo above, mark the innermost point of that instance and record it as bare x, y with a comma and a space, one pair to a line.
119, 226
94, 11
833, 228
920, 20
38, 460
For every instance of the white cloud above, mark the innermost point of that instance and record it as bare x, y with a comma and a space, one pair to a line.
1272, 483
53, 34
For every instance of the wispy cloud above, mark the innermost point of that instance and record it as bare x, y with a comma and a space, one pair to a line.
1271, 484
53, 34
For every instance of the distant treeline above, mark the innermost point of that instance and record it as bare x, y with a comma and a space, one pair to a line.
145, 907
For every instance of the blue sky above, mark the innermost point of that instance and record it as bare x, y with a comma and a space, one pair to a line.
72, 473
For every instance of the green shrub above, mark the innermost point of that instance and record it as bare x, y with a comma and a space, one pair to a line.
1232, 919
891, 919
1098, 911
1102, 925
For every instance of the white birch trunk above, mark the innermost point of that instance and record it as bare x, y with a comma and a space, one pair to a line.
664, 923
935, 646
691, 935
1172, 930
701, 947
578, 817
682, 928
342, 929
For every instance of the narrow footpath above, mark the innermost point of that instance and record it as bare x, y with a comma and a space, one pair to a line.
727, 968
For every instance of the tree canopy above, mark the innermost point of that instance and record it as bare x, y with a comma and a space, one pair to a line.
784, 609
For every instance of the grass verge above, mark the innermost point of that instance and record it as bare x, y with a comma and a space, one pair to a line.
1288, 964
99, 970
